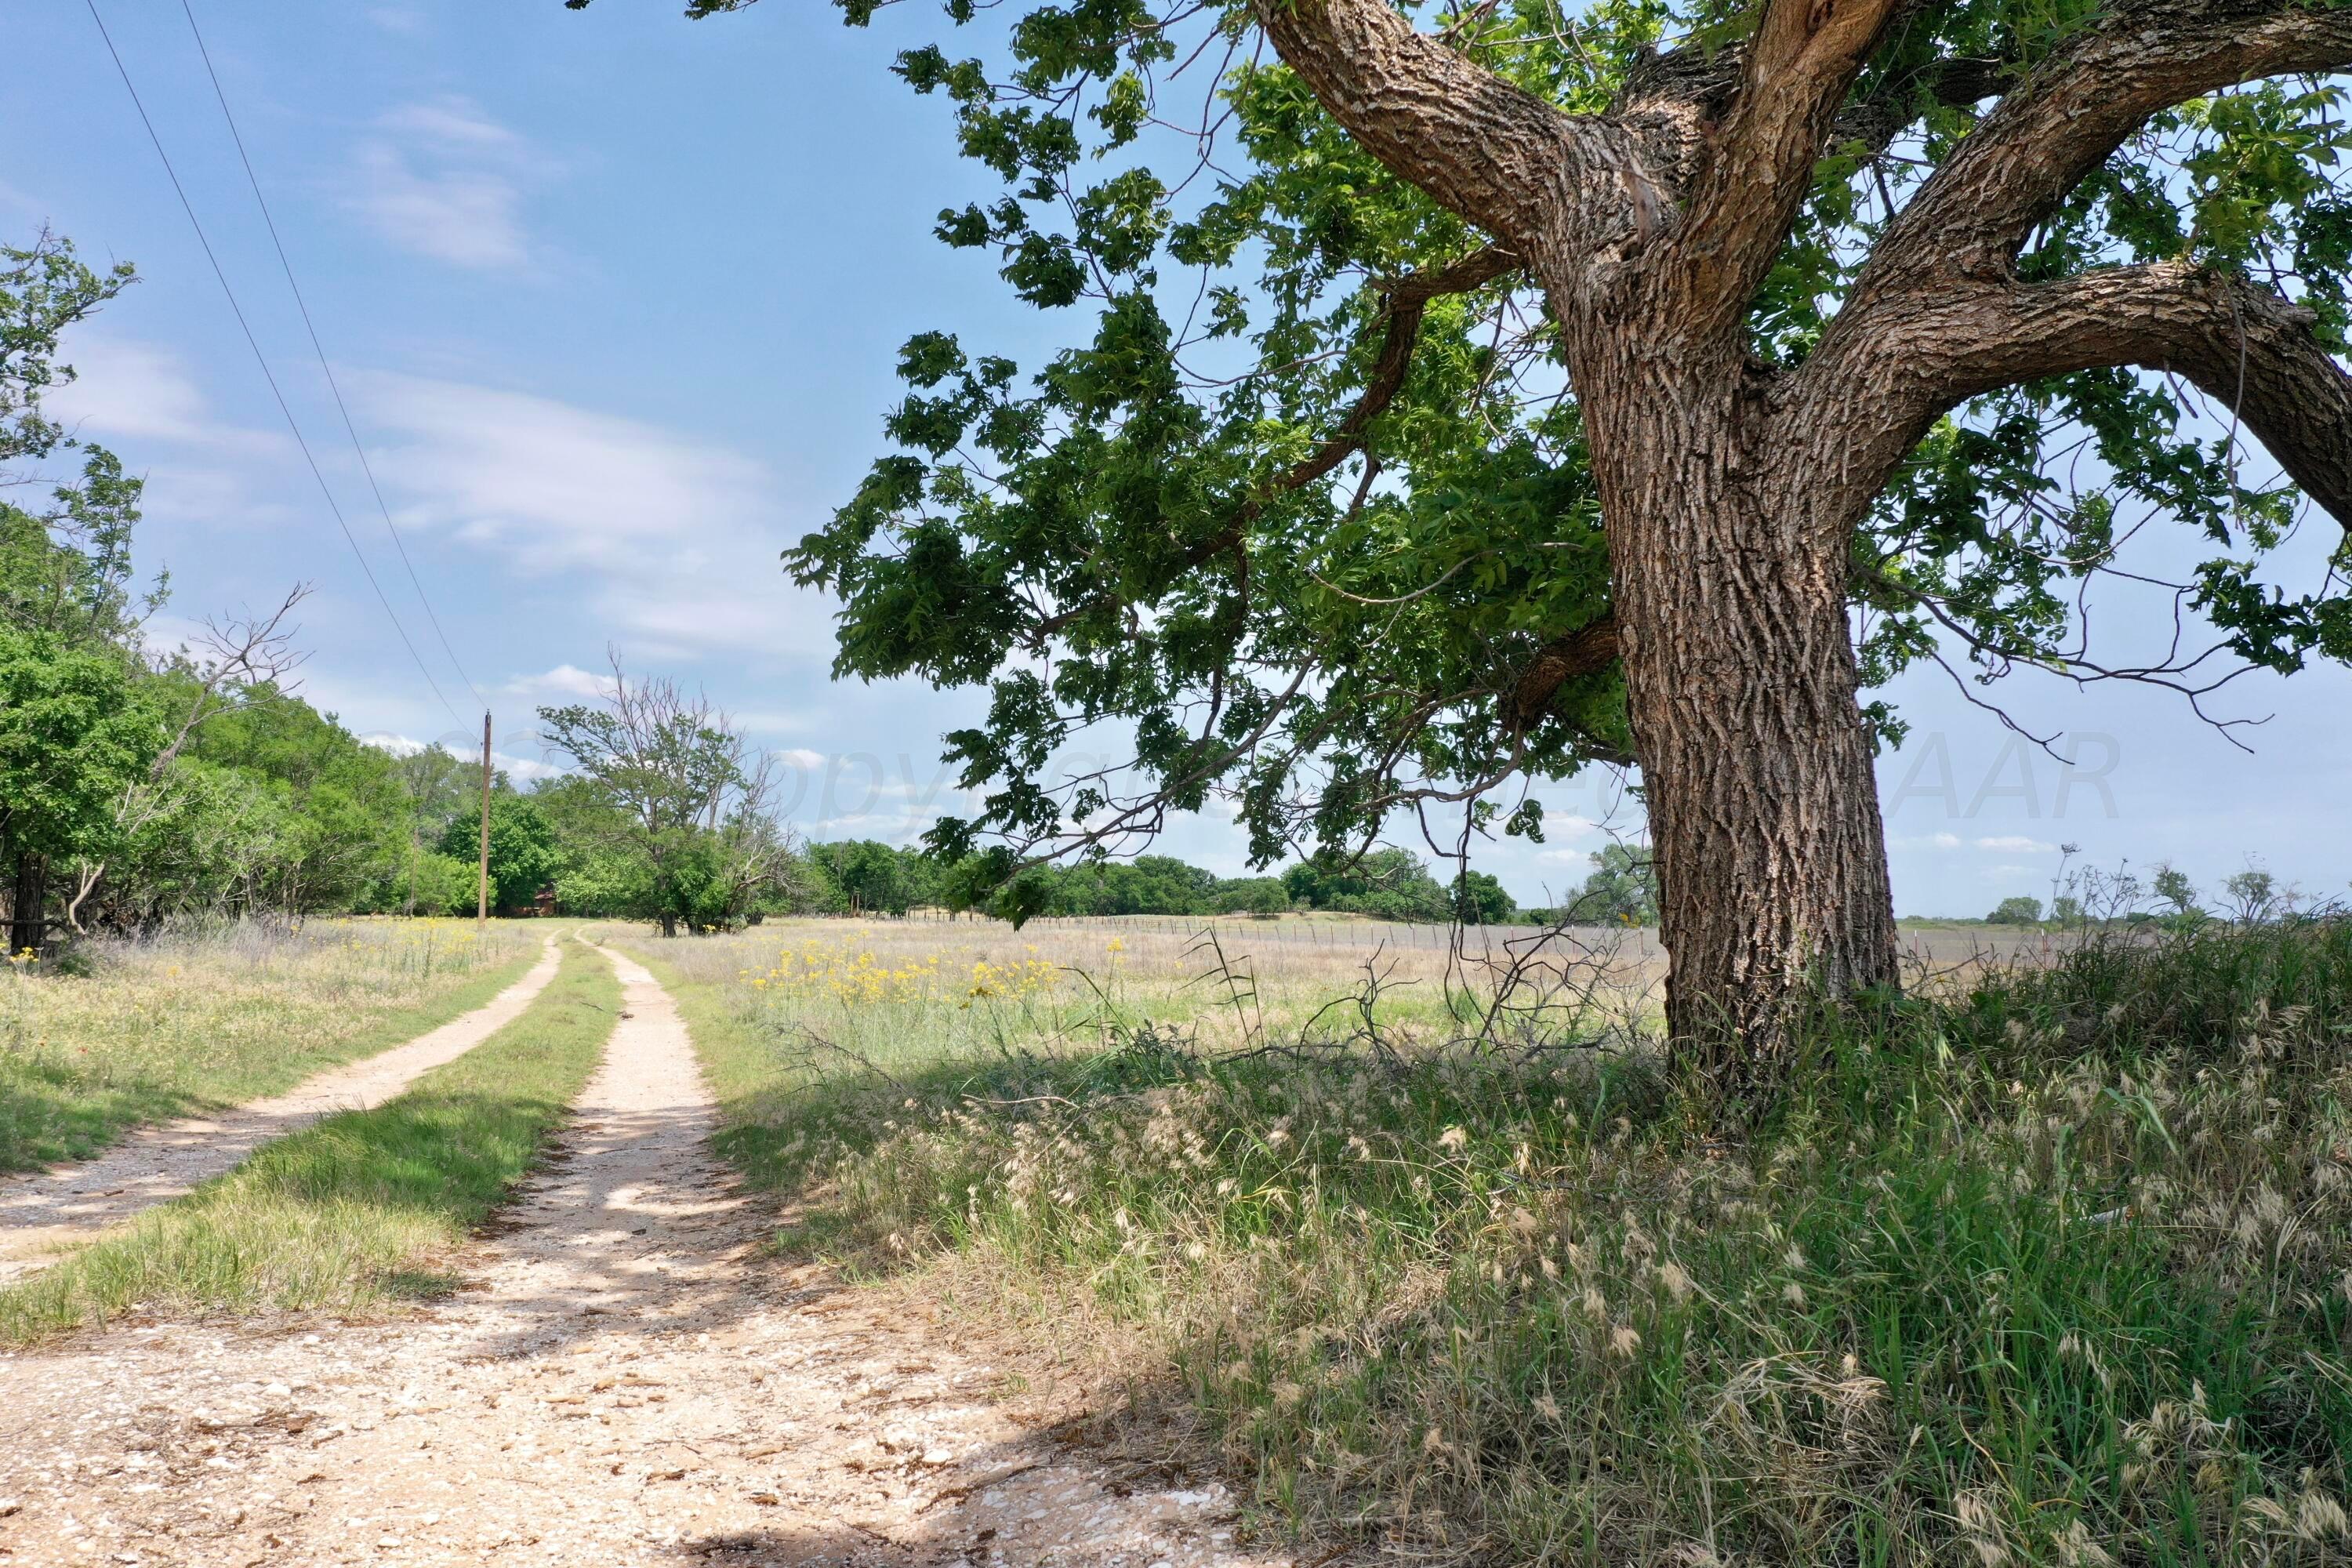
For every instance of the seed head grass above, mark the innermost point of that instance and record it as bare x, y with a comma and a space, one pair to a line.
357, 1211
145, 1029
2051, 1267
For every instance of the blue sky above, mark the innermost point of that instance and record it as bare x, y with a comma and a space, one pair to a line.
614, 300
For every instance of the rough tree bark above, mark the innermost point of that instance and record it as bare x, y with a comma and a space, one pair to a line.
27, 930
1729, 492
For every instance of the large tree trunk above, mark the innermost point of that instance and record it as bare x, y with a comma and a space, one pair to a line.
1727, 531
1730, 605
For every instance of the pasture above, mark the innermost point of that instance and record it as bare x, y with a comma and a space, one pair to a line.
2042, 1267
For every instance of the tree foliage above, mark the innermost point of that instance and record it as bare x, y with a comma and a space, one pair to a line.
523, 850
139, 785
1622, 890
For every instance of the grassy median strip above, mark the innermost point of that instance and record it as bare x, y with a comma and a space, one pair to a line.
353, 1211
195, 1022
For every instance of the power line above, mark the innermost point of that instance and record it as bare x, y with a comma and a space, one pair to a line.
303, 305
262, 361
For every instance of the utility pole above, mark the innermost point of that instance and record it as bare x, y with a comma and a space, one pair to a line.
482, 909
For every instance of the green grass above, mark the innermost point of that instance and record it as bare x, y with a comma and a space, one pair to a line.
358, 1209
2055, 1271
168, 1028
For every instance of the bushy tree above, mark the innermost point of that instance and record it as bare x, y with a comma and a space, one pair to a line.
670, 804
438, 884
74, 736
2023, 910
118, 819
523, 855
344, 842
2172, 886
1622, 888
1390, 883
1147, 885
2252, 896
1253, 896
865, 876
1480, 899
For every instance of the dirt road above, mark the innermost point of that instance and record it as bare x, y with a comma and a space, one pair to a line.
49, 1210
631, 1382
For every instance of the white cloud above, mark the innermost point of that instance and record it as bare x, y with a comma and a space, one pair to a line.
556, 485
761, 721
399, 745
135, 389
1578, 829
451, 123
529, 768
2015, 844
563, 681
466, 218
127, 389
800, 757
442, 179
678, 534
163, 635
1926, 841
201, 469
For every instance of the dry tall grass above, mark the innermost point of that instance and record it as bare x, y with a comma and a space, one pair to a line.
924, 991
149, 1028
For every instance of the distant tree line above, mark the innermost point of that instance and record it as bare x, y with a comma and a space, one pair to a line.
865, 876
2250, 897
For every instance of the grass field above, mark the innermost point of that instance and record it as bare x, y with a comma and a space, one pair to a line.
353, 1211
163, 1027
2056, 1268
871, 989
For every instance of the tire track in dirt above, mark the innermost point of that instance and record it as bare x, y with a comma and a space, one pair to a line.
629, 1382
46, 1211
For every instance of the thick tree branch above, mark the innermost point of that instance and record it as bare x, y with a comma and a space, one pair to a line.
1588, 650
1799, 67
1705, 83
2071, 112
1868, 402
1537, 179
2242, 345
